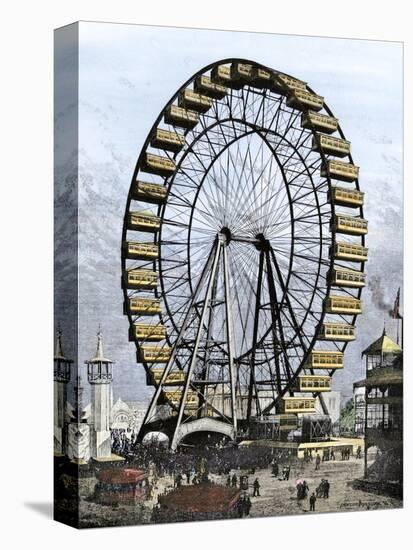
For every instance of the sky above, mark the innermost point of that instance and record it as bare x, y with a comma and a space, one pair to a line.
127, 74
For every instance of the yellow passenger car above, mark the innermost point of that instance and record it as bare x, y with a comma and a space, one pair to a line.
346, 305
339, 170
141, 251
143, 221
303, 100
141, 279
349, 225
154, 354
347, 277
330, 145
155, 164
352, 198
174, 377
183, 118
340, 332
297, 405
144, 306
170, 141
349, 251
204, 85
155, 333
188, 99
325, 359
313, 383
316, 121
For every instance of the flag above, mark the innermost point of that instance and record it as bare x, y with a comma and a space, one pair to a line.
395, 313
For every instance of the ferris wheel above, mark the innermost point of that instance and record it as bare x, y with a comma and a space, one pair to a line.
242, 256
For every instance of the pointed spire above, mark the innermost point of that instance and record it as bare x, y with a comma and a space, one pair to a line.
384, 328
99, 357
99, 348
59, 355
58, 349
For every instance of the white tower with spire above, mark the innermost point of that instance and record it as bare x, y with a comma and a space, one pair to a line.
61, 377
99, 372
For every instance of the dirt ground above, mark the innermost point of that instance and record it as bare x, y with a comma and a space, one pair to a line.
276, 497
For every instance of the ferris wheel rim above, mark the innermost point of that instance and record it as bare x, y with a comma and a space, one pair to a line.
162, 207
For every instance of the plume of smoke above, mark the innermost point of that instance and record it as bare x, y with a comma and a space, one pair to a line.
377, 293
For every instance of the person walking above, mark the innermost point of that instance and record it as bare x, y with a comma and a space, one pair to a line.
286, 473
240, 507
247, 505
326, 488
178, 480
234, 481
317, 461
313, 499
306, 489
229, 481
256, 486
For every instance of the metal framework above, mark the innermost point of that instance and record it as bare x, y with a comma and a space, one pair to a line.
232, 213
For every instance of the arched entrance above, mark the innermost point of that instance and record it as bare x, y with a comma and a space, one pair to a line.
202, 425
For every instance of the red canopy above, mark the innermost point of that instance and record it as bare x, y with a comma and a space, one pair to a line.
206, 497
121, 475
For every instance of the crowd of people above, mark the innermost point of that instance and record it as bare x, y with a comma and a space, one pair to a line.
237, 466
329, 454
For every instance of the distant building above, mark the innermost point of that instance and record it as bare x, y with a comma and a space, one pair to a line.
383, 412
359, 403
128, 415
332, 401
